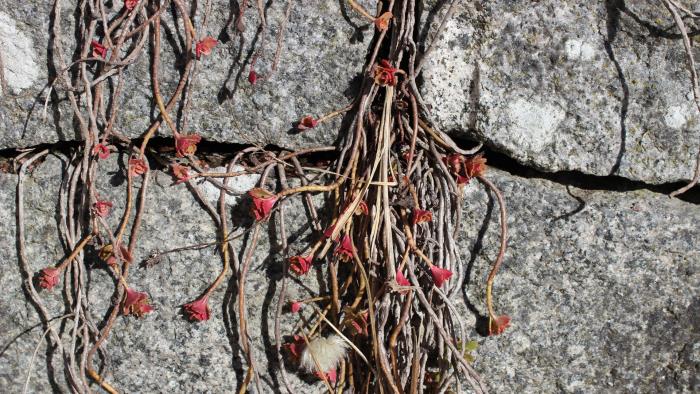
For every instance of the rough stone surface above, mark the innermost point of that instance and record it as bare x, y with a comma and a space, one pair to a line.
162, 352
595, 87
602, 288
598, 87
323, 51
17, 54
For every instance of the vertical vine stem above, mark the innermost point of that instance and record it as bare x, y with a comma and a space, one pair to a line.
501, 250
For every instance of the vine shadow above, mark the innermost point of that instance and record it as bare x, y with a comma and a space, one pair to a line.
53, 100
482, 321
613, 10
653, 29
274, 274
237, 66
579, 208
358, 33
29, 283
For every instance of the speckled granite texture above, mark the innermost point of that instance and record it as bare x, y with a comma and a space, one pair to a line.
595, 86
602, 287
599, 87
321, 55
162, 352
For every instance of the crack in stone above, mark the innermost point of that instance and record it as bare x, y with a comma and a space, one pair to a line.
578, 179
214, 153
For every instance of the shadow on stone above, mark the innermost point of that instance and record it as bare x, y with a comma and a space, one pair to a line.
474, 253
579, 208
613, 8
358, 31
228, 309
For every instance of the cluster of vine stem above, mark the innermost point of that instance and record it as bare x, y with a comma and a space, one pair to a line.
397, 354
93, 85
414, 333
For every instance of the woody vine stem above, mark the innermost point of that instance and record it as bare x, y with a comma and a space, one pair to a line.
388, 247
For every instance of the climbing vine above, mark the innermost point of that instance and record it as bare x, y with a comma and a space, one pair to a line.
387, 247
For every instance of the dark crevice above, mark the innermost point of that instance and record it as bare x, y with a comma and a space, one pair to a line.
217, 153
584, 181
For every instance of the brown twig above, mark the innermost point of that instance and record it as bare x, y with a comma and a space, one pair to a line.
502, 248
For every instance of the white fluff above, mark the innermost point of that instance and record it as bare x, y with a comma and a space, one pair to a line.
327, 351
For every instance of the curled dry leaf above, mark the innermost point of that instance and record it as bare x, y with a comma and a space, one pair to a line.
204, 46
307, 122
263, 202
382, 22
440, 275
98, 50
198, 310
300, 265
498, 324
136, 303
186, 145
49, 277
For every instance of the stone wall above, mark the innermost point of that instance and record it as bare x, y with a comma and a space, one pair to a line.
601, 283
